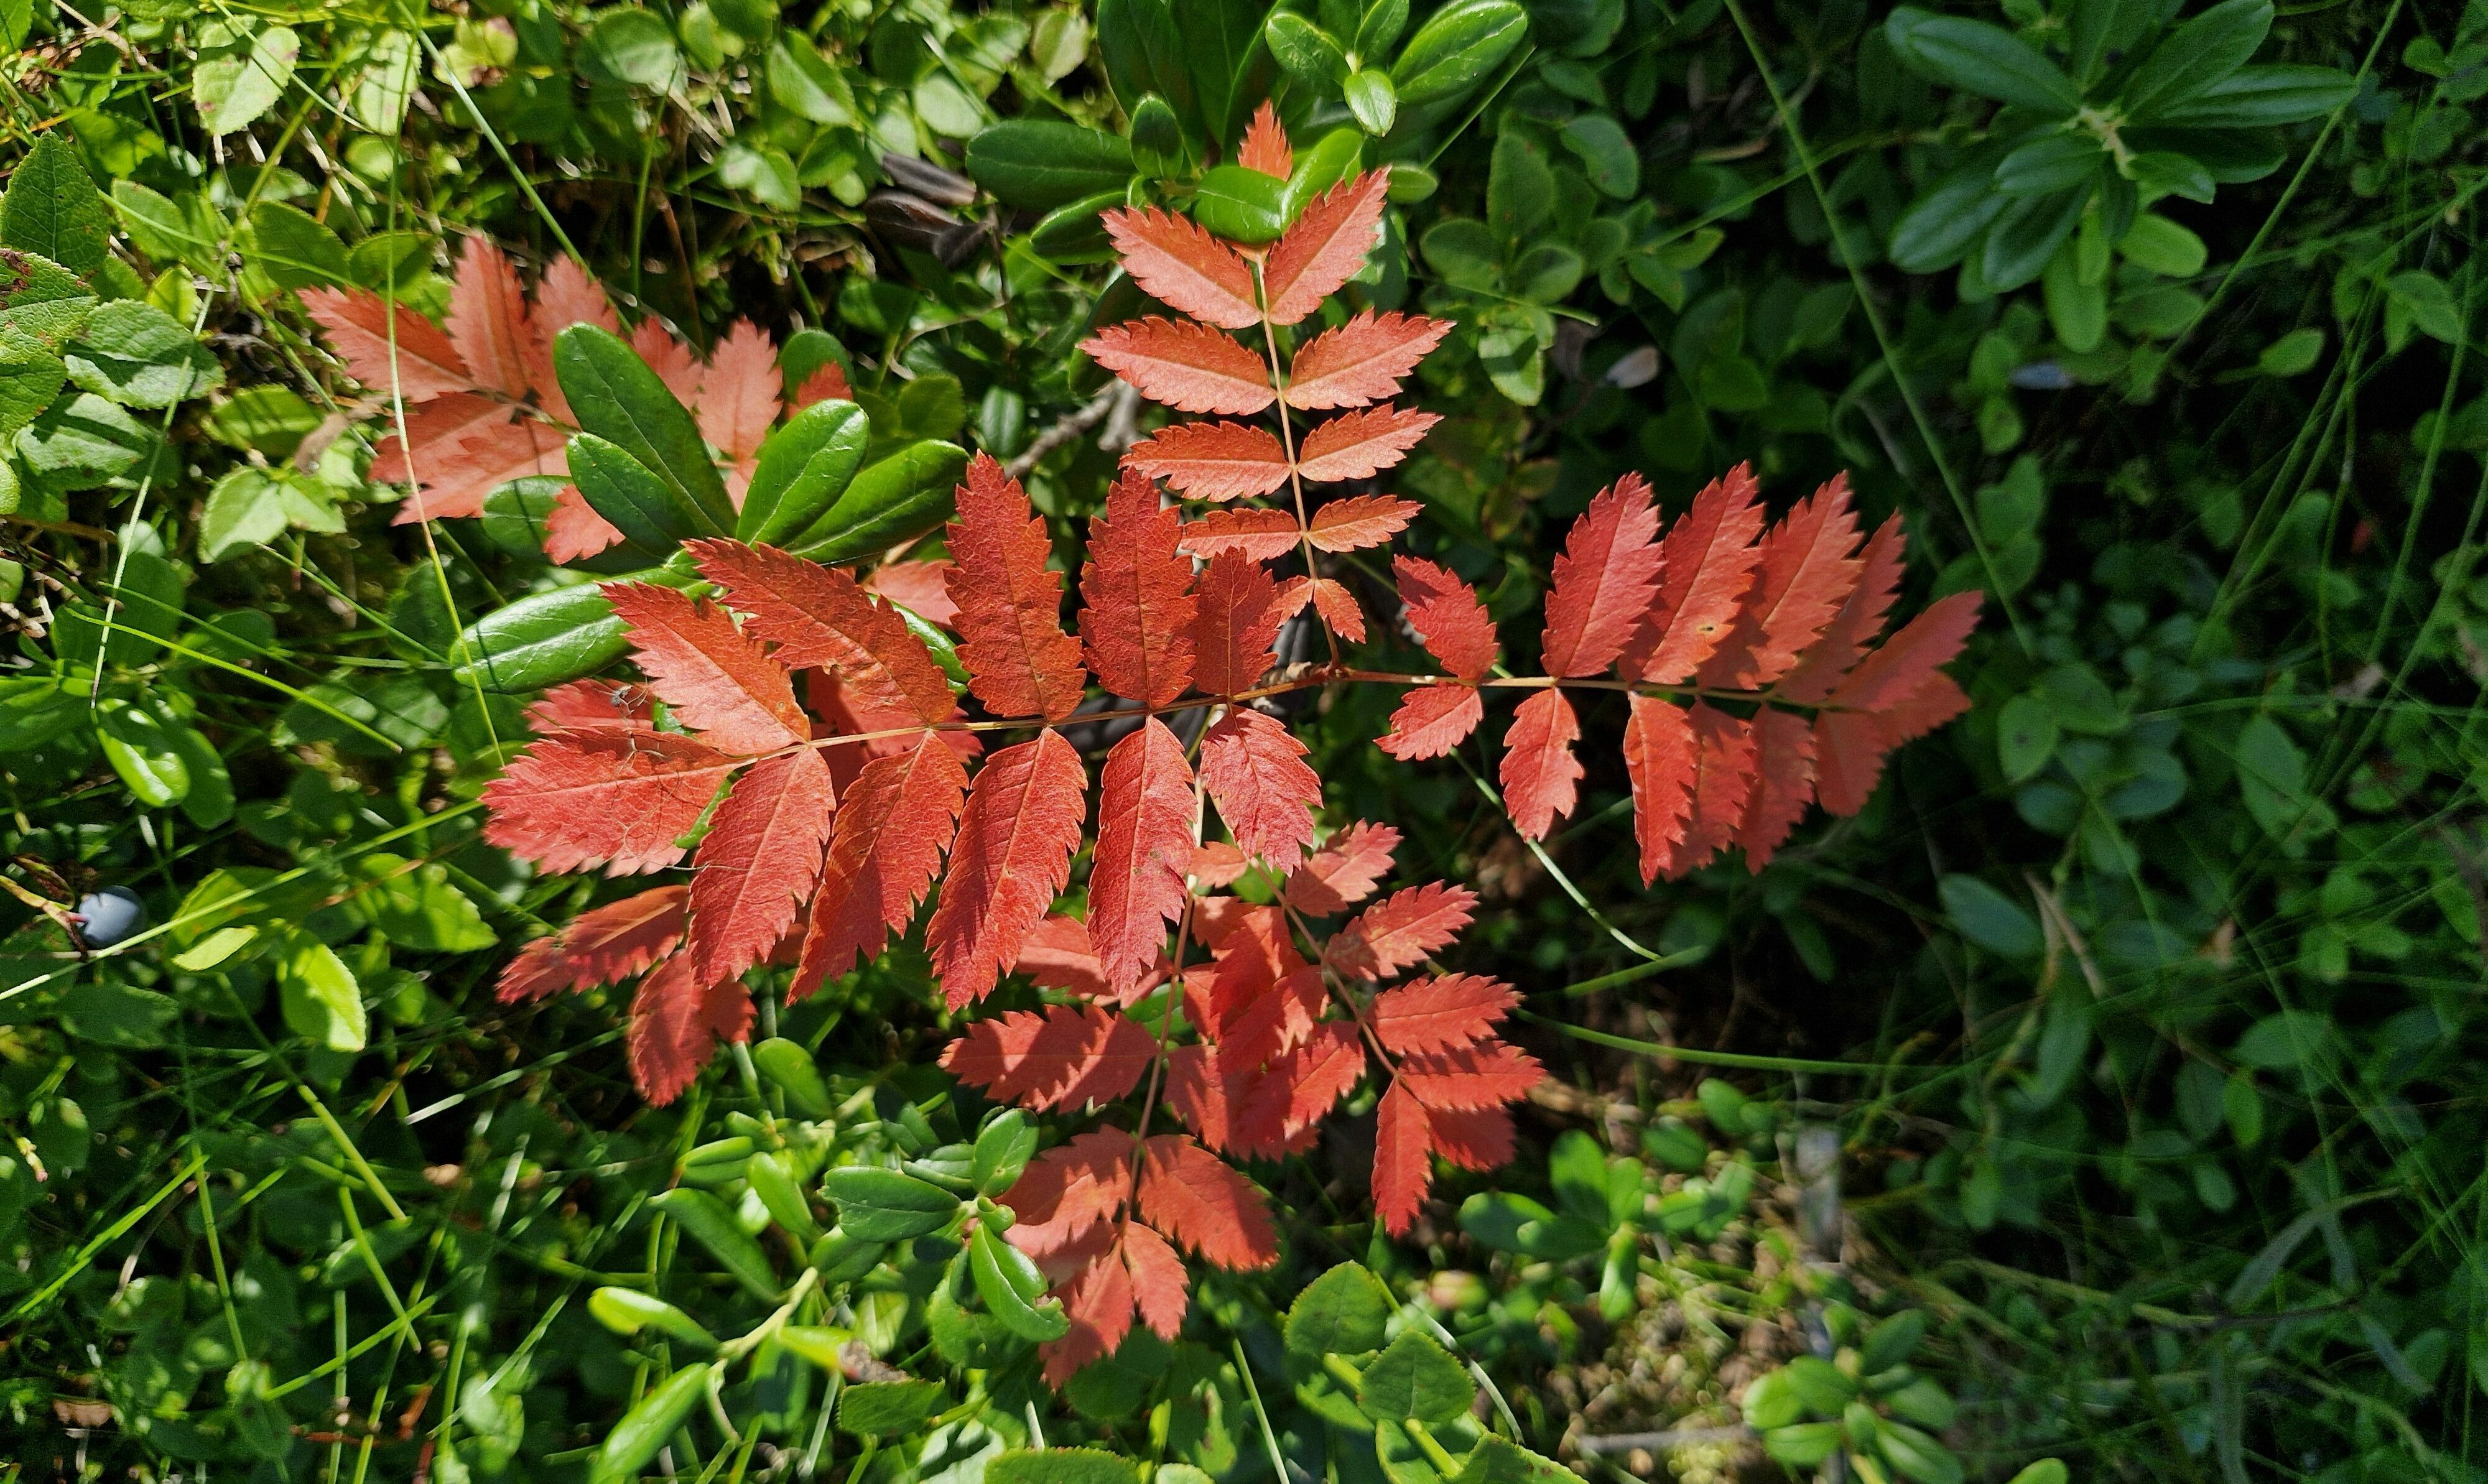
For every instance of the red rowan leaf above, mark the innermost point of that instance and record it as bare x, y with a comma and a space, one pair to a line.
1603, 581
758, 861
921, 588
1400, 930
676, 1022
601, 945
1402, 1137
1338, 608
819, 618
1848, 757
1217, 864
1265, 148
387, 347
1236, 622
1253, 770
593, 705
895, 822
1924, 644
1256, 1025
573, 530
1323, 1070
1436, 1015
1658, 759
477, 459
1723, 779
617, 800
1805, 573
1254, 532
1447, 615
1013, 857
1098, 1303
1464, 1079
1358, 445
828, 384
1343, 871
1472, 1139
487, 318
566, 296
1160, 1286
1069, 1188
1192, 1196
1783, 784
1180, 265
1539, 769
1431, 720
1058, 955
1137, 618
1020, 662
738, 394
669, 358
1360, 520
1362, 361
1213, 460
1938, 699
1202, 1093
1316, 257
422, 453
714, 677
1061, 1057
1708, 568
1189, 367
1850, 746
1844, 641
1143, 843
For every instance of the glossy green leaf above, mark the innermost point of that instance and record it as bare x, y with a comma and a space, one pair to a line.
646, 1428
35, 709
1989, 918
1038, 164
616, 398
713, 1225
138, 742
2194, 57
650, 513
1373, 100
628, 1311
1456, 48
882, 1205
789, 1068
2261, 97
1241, 204
804, 469
1310, 55
320, 996
892, 501
1013, 1290
774, 1183
1980, 57
542, 639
